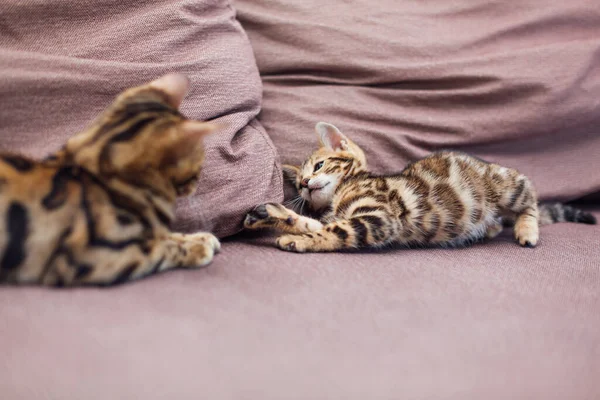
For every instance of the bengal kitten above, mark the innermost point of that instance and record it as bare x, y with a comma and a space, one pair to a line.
446, 199
98, 211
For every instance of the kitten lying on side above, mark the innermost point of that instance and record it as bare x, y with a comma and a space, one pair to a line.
98, 211
446, 199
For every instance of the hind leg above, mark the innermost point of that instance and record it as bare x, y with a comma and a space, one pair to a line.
520, 198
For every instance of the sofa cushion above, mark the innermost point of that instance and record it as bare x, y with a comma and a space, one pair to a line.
517, 83
62, 62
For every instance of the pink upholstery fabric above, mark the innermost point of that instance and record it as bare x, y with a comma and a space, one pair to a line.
512, 82
62, 62
494, 321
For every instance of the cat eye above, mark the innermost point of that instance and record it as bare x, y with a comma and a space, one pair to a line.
318, 166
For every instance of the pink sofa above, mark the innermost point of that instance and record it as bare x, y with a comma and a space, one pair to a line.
518, 83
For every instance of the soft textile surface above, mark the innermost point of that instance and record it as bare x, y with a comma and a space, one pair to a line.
494, 321
63, 61
511, 81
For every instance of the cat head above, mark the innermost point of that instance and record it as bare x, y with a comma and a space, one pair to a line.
319, 176
143, 139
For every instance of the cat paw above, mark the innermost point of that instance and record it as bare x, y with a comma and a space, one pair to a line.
202, 247
294, 243
267, 215
208, 238
527, 236
493, 230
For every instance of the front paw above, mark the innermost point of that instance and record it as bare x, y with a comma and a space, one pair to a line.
267, 215
210, 239
527, 237
202, 246
294, 243
527, 233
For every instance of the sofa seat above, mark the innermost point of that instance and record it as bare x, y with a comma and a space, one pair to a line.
494, 321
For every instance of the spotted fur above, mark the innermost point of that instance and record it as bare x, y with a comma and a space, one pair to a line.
445, 199
98, 211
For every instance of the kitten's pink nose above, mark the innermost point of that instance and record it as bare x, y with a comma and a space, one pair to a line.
304, 182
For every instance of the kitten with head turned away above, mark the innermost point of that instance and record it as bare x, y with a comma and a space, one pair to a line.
446, 199
98, 210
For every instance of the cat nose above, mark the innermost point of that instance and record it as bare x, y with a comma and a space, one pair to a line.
304, 182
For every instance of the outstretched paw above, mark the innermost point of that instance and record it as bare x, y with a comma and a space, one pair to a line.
202, 247
294, 243
267, 216
208, 238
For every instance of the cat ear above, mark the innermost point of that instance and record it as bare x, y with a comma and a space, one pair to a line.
290, 172
331, 137
175, 86
199, 128
191, 132
187, 139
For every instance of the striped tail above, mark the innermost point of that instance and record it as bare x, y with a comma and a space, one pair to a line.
559, 212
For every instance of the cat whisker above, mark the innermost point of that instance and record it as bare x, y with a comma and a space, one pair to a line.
293, 203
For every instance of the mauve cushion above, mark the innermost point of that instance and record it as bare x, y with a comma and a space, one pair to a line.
62, 62
512, 82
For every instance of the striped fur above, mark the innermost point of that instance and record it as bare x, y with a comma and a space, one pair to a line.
445, 199
98, 211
